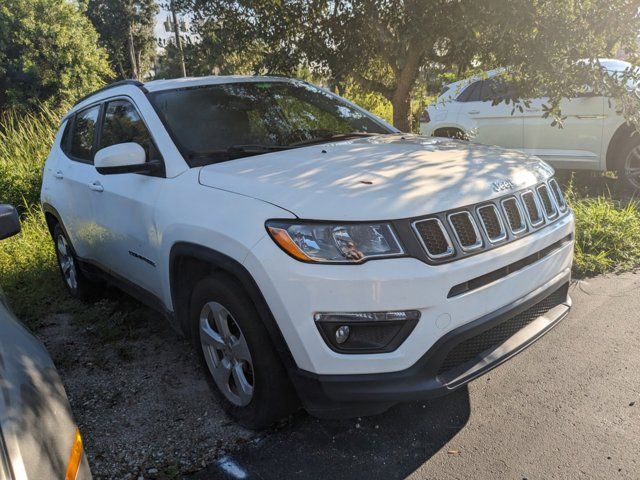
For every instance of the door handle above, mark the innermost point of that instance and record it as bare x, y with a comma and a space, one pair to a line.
474, 112
96, 186
59, 175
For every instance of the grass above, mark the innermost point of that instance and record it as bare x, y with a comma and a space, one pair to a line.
28, 271
607, 232
607, 235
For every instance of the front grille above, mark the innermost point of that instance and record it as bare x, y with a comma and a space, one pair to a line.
547, 203
534, 213
451, 235
488, 340
465, 230
492, 223
434, 238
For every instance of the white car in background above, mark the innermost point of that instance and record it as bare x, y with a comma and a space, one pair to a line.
593, 136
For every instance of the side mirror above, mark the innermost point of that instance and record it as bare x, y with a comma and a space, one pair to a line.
124, 158
9, 222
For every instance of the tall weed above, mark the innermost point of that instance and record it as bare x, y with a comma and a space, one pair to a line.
25, 141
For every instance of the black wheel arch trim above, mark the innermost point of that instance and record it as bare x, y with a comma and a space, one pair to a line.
231, 266
47, 208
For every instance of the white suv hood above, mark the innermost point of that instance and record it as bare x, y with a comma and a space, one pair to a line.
378, 178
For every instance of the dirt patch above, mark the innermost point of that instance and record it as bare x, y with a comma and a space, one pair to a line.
140, 397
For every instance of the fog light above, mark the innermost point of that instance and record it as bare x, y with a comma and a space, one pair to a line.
342, 333
366, 332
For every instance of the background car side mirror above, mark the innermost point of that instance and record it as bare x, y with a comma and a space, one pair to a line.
9, 221
124, 158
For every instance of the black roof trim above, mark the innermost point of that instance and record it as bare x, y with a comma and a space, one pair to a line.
135, 83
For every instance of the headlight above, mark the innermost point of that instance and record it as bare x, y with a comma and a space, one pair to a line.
335, 242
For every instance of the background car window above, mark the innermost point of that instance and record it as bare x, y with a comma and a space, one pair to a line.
123, 124
494, 88
471, 93
83, 133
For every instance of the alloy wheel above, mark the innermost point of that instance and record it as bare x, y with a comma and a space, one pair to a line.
632, 167
227, 354
67, 264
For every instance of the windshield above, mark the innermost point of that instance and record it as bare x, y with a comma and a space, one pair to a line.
220, 122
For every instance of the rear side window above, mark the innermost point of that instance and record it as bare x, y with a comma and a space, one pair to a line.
123, 124
64, 141
471, 93
493, 89
84, 128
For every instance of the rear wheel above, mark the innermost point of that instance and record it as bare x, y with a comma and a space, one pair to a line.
454, 133
629, 163
78, 285
244, 369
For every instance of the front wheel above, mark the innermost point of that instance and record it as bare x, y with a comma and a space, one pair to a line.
247, 375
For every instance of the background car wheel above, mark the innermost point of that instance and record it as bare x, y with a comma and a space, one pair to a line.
234, 346
76, 282
629, 163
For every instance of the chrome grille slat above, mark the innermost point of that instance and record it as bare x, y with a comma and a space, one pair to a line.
531, 206
557, 195
514, 214
492, 223
434, 238
465, 230
547, 204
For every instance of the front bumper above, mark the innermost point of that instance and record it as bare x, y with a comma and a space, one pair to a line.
454, 360
295, 291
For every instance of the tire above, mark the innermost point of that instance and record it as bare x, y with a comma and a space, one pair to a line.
77, 284
230, 337
628, 163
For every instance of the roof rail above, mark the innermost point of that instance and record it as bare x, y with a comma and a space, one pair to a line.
120, 83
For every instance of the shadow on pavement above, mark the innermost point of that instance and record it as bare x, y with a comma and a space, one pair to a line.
387, 446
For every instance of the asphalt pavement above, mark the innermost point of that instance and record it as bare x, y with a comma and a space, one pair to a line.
568, 407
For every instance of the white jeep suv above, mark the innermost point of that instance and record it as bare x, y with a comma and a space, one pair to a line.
593, 137
311, 251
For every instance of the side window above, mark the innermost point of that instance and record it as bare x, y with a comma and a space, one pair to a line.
471, 93
123, 124
84, 128
64, 141
494, 89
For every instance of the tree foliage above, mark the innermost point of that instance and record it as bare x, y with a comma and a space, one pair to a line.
126, 31
49, 53
387, 45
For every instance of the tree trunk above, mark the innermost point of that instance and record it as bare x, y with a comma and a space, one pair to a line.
401, 102
132, 55
176, 29
405, 81
123, 74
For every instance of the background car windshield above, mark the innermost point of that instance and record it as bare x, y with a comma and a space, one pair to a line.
207, 121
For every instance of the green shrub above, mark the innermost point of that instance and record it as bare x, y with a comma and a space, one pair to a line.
25, 141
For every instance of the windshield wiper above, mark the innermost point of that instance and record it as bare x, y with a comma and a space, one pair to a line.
333, 136
235, 151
